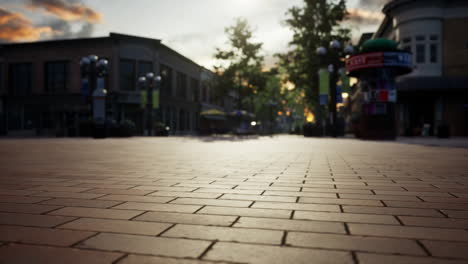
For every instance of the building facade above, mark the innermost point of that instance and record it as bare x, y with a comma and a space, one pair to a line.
435, 94
40, 84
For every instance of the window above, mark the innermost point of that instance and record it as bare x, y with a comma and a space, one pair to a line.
56, 76
166, 81
194, 86
181, 85
20, 79
407, 48
420, 53
205, 93
127, 75
434, 37
420, 38
406, 40
144, 67
433, 52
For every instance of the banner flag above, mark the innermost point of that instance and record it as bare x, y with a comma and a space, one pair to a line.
339, 97
155, 99
324, 81
323, 99
345, 82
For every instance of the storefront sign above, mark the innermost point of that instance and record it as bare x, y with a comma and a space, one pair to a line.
378, 60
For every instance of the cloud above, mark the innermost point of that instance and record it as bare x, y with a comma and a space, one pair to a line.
15, 27
372, 4
366, 17
68, 11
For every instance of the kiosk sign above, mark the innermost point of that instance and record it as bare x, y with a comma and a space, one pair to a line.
378, 60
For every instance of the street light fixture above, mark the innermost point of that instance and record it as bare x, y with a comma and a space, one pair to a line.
148, 83
93, 69
333, 59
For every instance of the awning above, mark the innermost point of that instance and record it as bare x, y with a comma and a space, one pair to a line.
431, 83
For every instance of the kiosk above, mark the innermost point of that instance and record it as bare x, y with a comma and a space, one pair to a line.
374, 99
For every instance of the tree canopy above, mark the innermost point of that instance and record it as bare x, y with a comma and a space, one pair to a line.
314, 24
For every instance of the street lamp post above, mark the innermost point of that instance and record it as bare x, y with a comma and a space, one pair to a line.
333, 58
93, 69
148, 83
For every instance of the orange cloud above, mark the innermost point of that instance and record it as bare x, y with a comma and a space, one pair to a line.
361, 16
15, 27
67, 11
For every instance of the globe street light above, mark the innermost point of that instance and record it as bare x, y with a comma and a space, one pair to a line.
333, 59
148, 82
93, 69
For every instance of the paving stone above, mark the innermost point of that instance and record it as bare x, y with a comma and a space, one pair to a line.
59, 189
214, 202
26, 208
355, 243
164, 188
447, 249
24, 254
346, 217
265, 198
302, 194
96, 213
32, 220
296, 206
68, 195
340, 201
225, 234
380, 197
161, 246
391, 211
434, 222
117, 226
235, 252
120, 191
409, 232
138, 259
176, 208
186, 194
368, 258
44, 236
136, 198
221, 191
290, 225
180, 218
80, 203
426, 205
216, 210
456, 213
21, 199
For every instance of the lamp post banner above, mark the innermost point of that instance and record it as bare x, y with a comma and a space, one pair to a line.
324, 82
156, 99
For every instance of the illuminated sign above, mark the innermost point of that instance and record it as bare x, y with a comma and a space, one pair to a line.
378, 60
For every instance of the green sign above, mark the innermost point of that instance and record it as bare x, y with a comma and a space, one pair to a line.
324, 81
144, 99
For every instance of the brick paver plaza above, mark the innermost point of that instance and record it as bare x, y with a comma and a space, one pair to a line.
267, 200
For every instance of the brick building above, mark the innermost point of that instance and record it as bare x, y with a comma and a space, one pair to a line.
436, 92
40, 86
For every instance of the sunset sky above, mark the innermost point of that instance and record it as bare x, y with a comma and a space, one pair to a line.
192, 27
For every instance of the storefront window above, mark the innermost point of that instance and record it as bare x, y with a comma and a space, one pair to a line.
127, 75
420, 53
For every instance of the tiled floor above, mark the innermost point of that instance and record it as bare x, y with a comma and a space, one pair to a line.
214, 200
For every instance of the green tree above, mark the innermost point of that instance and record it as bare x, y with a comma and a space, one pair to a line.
314, 24
240, 65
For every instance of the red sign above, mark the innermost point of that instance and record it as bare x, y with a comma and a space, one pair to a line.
366, 60
400, 59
